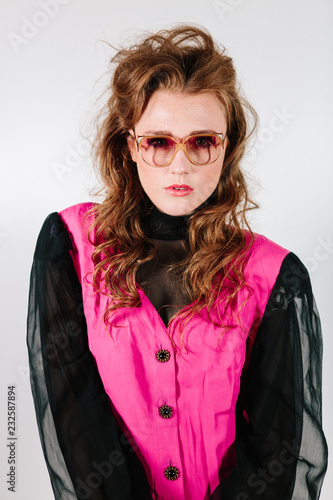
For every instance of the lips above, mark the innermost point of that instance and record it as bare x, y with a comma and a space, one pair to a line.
179, 189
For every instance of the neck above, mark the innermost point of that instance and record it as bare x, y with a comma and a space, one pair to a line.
161, 226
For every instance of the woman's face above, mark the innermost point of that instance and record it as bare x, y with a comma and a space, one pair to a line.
181, 187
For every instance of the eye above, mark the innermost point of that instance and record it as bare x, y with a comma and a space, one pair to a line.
203, 141
159, 142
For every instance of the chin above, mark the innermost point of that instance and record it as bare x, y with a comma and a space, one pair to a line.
176, 210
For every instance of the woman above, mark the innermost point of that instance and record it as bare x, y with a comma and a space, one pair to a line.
174, 353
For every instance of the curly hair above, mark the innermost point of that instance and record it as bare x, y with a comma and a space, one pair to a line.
183, 59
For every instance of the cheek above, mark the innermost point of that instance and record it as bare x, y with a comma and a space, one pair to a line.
148, 177
209, 180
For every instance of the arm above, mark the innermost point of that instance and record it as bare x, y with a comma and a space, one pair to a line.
280, 447
87, 454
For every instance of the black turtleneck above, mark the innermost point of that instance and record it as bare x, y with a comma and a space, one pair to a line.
160, 226
156, 277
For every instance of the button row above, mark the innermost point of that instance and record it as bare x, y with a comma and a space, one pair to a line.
171, 473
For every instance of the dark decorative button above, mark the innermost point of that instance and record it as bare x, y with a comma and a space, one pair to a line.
165, 411
171, 473
163, 355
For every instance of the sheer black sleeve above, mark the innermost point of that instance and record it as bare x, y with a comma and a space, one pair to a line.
87, 455
280, 446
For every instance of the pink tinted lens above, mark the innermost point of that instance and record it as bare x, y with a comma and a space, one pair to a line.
200, 149
157, 150
203, 149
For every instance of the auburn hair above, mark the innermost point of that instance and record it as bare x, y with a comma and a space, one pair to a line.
183, 59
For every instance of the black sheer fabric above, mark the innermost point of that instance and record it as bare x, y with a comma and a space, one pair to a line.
280, 448
160, 281
87, 455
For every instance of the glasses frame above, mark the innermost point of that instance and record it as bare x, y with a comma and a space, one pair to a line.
179, 146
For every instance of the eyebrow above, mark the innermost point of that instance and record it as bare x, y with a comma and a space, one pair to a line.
167, 132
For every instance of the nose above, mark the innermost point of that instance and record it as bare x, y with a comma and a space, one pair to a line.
180, 164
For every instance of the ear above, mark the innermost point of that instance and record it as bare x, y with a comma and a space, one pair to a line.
131, 143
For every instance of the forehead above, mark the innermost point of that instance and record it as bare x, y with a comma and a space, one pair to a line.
180, 113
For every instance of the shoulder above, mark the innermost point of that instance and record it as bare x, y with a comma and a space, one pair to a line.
61, 230
77, 219
264, 261
264, 252
75, 215
269, 266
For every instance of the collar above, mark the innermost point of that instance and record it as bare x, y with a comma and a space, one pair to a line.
161, 226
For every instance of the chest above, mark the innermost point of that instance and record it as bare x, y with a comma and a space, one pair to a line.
208, 369
161, 278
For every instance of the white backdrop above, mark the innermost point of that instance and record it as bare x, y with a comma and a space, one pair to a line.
51, 59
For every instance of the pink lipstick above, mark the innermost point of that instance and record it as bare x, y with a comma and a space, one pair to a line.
179, 190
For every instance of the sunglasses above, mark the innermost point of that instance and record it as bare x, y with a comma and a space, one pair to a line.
200, 149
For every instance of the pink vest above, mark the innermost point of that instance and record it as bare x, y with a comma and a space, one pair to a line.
201, 385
